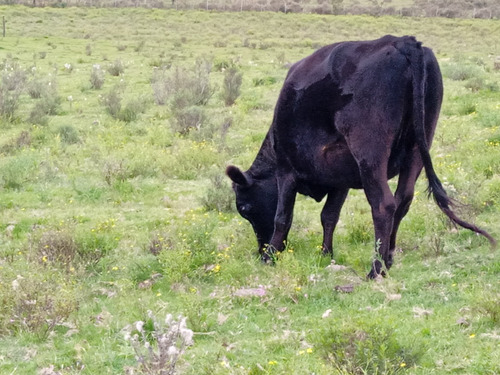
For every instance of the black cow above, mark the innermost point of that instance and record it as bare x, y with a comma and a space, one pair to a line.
350, 116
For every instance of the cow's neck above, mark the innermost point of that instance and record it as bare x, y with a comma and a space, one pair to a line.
264, 164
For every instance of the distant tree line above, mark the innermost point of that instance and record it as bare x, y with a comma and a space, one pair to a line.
419, 8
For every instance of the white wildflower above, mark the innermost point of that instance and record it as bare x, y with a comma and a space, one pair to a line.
139, 326
326, 314
172, 351
168, 319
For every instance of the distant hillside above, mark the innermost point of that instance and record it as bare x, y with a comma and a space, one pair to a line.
413, 8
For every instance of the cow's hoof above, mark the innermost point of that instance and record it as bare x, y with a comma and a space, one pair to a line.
327, 253
268, 258
376, 270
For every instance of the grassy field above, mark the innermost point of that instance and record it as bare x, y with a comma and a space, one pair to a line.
115, 134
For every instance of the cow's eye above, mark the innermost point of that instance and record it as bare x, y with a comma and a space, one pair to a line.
244, 209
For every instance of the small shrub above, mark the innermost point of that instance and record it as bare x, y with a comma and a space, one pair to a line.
23, 140
218, 196
220, 44
13, 78
40, 302
232, 85
96, 77
221, 64
489, 118
475, 84
466, 106
187, 118
56, 247
160, 242
112, 101
363, 348
18, 170
95, 244
132, 110
47, 105
176, 265
185, 88
115, 171
488, 306
9, 102
36, 87
116, 68
139, 47
461, 71
161, 86
68, 134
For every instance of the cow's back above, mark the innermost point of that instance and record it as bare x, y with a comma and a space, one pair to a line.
367, 85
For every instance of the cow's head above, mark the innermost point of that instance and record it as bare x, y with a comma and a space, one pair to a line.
256, 201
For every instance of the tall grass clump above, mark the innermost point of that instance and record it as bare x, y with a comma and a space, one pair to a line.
232, 85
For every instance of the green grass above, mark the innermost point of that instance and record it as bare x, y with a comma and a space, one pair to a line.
104, 218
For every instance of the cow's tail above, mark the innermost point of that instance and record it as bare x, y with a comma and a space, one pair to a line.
435, 187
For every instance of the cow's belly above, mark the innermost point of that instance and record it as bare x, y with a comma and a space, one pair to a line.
326, 168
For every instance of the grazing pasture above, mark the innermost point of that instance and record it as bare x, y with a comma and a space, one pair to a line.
116, 127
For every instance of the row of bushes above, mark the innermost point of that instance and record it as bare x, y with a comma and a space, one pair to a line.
420, 8
185, 91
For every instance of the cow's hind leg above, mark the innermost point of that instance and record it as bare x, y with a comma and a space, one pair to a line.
404, 197
383, 205
330, 217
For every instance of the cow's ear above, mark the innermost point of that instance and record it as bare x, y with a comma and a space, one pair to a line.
237, 176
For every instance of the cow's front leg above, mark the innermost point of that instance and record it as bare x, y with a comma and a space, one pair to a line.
287, 192
330, 217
